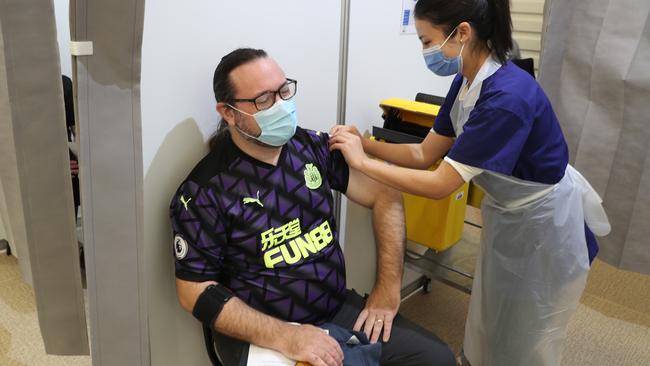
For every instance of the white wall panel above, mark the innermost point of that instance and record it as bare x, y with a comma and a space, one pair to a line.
528, 40
527, 6
183, 43
527, 23
62, 14
383, 63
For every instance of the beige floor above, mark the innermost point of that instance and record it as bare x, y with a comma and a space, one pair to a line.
20, 340
610, 327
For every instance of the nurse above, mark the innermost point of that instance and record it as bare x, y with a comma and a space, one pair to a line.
497, 128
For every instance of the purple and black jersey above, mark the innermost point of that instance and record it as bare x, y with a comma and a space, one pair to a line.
266, 232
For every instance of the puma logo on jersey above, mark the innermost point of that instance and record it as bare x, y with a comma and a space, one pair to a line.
248, 200
185, 202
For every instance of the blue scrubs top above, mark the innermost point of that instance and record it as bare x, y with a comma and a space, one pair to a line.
512, 130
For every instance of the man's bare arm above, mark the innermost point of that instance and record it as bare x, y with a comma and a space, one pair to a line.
238, 320
389, 228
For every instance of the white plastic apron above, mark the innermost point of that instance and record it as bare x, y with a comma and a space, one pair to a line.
533, 261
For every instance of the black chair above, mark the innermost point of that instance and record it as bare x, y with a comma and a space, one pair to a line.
209, 346
527, 64
428, 98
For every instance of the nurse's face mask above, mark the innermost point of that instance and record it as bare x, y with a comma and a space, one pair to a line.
277, 120
441, 65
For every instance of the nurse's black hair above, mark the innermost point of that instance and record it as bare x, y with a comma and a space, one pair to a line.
490, 19
224, 90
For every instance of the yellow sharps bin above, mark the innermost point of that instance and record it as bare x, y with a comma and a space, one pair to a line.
437, 224
475, 195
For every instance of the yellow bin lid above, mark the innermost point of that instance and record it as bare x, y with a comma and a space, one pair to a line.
411, 111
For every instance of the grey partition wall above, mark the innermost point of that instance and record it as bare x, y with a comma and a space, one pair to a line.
11, 210
36, 172
111, 177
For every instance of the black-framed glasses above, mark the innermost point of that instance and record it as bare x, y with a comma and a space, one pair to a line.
266, 100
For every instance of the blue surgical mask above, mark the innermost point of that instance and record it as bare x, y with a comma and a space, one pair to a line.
441, 65
278, 123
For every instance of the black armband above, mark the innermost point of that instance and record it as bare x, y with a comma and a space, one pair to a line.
210, 303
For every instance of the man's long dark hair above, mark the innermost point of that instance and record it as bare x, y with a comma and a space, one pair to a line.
224, 90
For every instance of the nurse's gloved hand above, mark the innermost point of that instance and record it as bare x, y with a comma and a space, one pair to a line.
351, 129
350, 145
378, 315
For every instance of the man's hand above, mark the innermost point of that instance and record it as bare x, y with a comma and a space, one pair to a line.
310, 344
381, 308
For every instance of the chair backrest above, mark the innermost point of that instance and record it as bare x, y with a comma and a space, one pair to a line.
428, 98
527, 64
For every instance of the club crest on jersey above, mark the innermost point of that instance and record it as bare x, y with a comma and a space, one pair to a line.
180, 247
313, 179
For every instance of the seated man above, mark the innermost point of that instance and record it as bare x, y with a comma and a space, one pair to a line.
255, 239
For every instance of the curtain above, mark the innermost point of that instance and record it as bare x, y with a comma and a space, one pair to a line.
35, 170
595, 69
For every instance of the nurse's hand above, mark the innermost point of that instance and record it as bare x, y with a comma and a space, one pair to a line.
381, 308
350, 145
339, 128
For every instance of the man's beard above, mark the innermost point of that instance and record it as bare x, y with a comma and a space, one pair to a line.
239, 127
